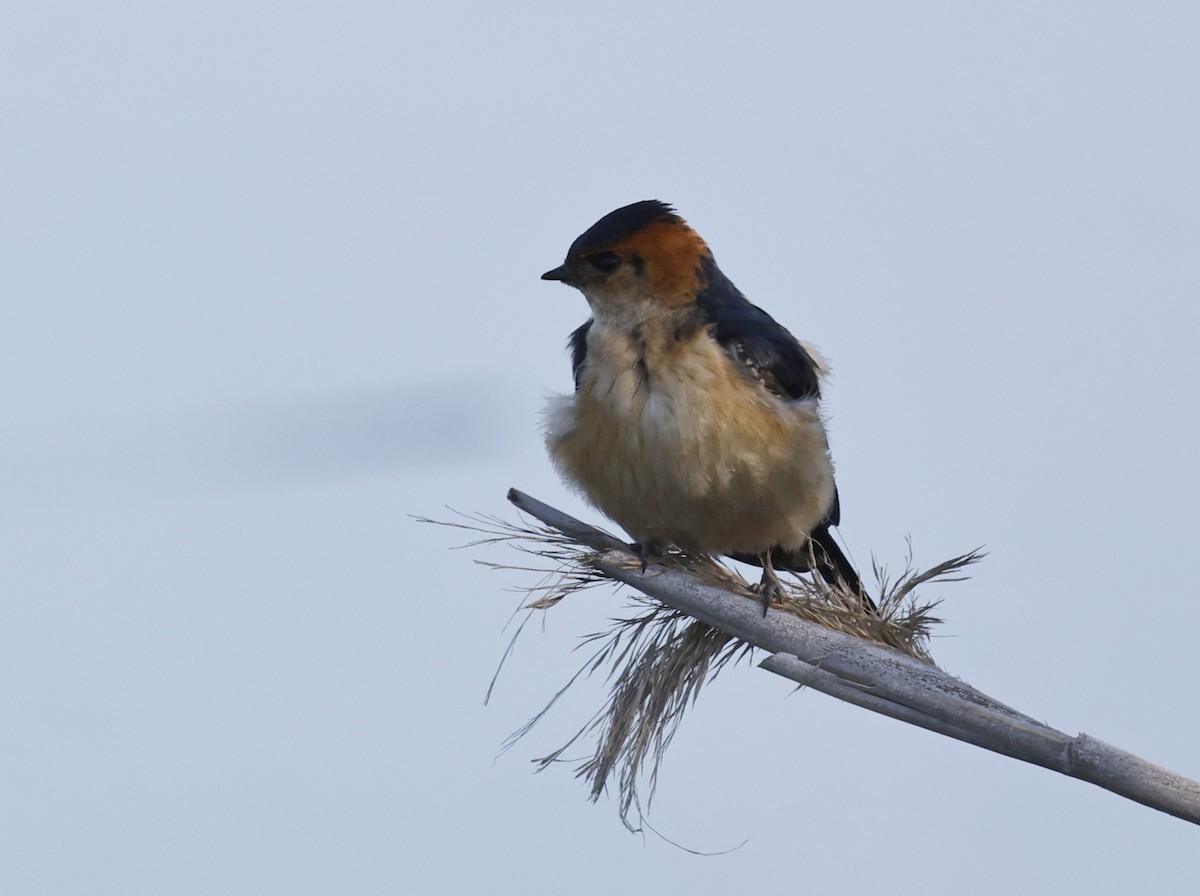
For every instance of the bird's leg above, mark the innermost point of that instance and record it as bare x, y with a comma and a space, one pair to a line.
769, 587
645, 551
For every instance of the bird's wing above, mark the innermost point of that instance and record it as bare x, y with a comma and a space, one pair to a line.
764, 350
578, 344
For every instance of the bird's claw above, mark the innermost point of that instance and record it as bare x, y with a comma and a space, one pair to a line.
769, 588
767, 593
644, 551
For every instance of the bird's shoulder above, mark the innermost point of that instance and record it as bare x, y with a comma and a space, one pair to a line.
756, 342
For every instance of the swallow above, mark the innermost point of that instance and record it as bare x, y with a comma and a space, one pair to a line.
695, 420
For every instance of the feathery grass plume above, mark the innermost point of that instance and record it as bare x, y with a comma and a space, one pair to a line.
657, 660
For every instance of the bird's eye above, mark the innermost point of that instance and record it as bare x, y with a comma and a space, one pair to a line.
605, 262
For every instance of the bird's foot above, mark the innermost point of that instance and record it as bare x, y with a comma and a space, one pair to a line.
646, 551
767, 592
769, 588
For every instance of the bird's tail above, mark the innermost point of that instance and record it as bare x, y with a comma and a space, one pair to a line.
836, 569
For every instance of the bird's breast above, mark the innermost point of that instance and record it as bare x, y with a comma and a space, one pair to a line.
670, 439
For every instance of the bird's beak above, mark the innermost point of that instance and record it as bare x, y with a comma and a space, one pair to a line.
561, 273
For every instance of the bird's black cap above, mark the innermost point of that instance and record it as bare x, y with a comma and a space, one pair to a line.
618, 226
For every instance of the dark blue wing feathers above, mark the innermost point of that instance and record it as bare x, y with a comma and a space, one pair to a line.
578, 343
752, 337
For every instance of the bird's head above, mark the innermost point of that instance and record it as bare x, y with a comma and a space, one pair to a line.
634, 261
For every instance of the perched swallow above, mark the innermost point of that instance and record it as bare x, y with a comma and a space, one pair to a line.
695, 419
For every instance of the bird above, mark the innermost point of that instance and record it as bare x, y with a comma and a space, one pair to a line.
695, 420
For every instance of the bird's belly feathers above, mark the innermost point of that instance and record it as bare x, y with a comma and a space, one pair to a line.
686, 450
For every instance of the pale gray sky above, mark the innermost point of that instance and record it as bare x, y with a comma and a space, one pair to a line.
270, 285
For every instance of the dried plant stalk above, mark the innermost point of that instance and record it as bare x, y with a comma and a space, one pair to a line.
697, 616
